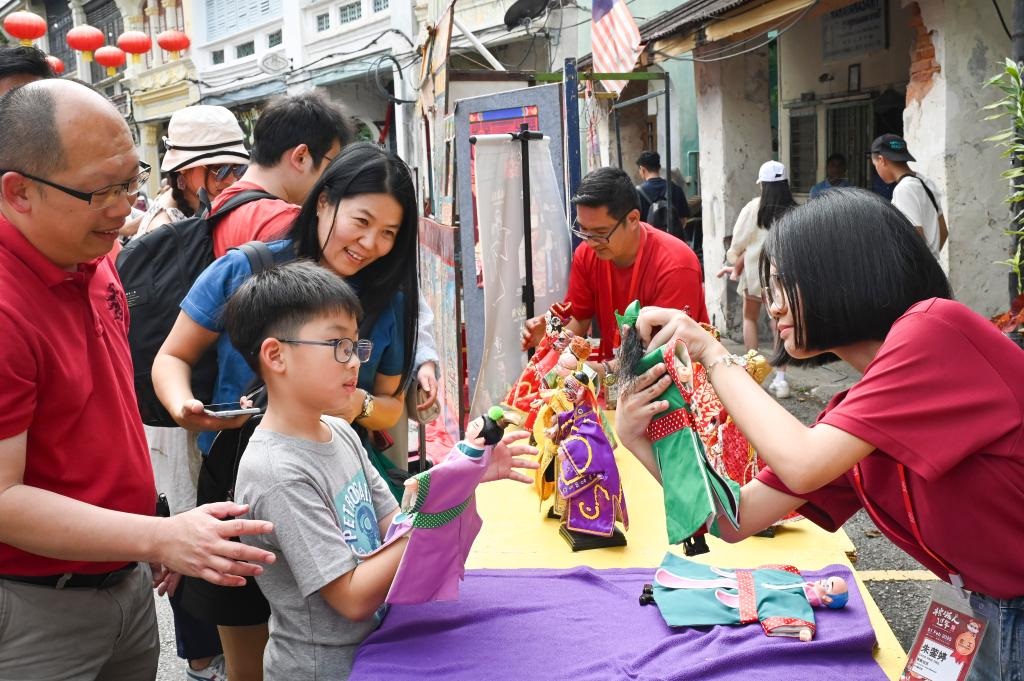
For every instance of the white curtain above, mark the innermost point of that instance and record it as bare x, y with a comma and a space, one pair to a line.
502, 251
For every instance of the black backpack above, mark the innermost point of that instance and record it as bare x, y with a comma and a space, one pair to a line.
157, 271
657, 214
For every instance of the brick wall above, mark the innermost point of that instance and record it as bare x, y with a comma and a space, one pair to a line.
923, 66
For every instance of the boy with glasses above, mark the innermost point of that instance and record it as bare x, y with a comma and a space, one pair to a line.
297, 327
621, 259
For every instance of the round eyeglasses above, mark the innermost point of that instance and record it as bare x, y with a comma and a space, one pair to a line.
344, 348
773, 292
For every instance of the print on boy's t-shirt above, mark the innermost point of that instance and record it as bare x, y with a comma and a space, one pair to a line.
354, 505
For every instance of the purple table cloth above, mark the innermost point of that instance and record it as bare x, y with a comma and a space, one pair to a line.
584, 624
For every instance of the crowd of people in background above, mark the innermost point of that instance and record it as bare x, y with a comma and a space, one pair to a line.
328, 337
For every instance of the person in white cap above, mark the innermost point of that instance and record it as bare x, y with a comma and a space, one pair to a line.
206, 154
744, 253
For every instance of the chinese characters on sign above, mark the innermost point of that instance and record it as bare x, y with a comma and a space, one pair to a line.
945, 646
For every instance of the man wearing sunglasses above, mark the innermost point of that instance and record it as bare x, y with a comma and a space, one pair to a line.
620, 260
77, 530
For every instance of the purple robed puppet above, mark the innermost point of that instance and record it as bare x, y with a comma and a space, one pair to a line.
588, 477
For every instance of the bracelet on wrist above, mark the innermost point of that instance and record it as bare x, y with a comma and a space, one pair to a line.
727, 360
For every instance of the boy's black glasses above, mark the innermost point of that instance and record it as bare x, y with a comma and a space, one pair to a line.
344, 348
596, 238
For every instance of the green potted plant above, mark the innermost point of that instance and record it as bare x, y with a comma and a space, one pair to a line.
1010, 108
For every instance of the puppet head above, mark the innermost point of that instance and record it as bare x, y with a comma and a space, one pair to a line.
576, 387
828, 593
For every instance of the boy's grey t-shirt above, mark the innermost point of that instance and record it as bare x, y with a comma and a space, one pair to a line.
324, 500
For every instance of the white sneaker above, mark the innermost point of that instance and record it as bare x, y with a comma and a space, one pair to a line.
779, 388
213, 672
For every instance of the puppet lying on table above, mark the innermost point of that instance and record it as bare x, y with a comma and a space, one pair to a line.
692, 594
695, 490
439, 516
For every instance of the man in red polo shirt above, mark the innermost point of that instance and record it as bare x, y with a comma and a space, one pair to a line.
77, 531
623, 259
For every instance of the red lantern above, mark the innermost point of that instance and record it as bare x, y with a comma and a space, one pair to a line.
56, 65
135, 43
174, 42
111, 57
87, 39
25, 26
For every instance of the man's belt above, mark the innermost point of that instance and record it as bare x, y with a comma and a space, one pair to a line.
76, 580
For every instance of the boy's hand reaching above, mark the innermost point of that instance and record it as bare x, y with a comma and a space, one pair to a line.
506, 456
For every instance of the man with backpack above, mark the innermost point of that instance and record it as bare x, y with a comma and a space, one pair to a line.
915, 195
655, 193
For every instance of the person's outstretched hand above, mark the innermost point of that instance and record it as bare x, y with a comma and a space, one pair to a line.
190, 416
507, 456
198, 543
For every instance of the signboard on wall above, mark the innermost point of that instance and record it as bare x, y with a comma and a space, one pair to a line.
856, 29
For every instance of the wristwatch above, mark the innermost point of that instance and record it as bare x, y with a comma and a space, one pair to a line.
609, 376
367, 406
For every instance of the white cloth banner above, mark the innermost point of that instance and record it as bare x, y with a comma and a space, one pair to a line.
502, 252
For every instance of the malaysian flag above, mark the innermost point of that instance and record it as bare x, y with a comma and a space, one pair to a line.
615, 41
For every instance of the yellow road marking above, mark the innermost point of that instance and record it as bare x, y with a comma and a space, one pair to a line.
896, 575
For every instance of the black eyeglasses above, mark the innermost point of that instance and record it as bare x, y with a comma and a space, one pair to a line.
100, 199
222, 171
596, 238
344, 348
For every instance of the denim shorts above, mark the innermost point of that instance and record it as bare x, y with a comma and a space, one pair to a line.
1001, 654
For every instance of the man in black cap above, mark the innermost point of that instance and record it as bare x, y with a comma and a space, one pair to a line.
915, 195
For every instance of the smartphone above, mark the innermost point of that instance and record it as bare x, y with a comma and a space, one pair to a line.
227, 410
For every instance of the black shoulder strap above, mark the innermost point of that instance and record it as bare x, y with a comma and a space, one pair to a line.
927, 191
259, 255
242, 198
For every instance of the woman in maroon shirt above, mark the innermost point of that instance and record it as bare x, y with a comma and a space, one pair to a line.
930, 441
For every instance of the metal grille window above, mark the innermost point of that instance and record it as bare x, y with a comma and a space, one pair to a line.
380, 5
228, 17
59, 21
274, 39
246, 49
217, 56
323, 22
803, 146
849, 132
106, 17
349, 13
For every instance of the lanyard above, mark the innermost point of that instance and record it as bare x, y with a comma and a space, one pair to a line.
633, 282
954, 576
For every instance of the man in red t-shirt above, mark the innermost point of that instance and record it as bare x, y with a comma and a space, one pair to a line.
77, 531
294, 141
623, 259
